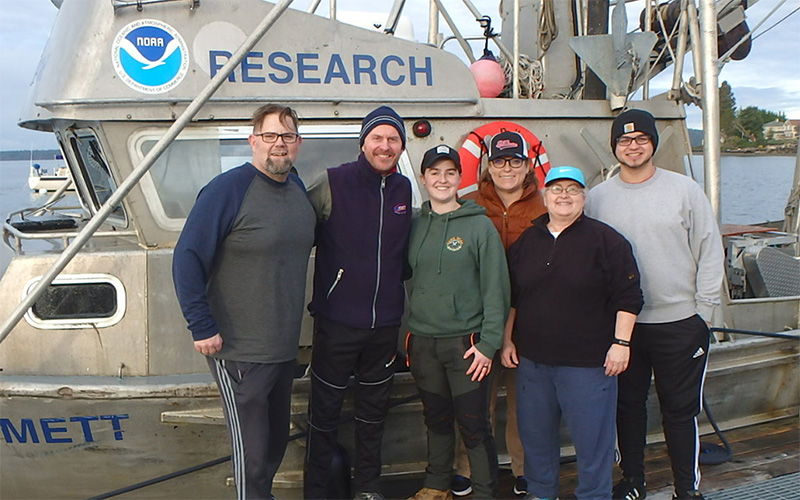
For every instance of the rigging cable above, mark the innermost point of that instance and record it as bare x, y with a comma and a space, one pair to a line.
779, 21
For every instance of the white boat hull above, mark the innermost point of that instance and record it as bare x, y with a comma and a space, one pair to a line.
43, 182
92, 435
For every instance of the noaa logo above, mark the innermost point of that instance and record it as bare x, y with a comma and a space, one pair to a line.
454, 244
150, 56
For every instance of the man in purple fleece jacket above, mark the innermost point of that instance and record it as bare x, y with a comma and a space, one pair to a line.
364, 217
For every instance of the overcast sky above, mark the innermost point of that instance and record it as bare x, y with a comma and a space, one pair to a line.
769, 78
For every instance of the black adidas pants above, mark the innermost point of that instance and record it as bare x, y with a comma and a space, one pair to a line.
676, 354
256, 399
339, 352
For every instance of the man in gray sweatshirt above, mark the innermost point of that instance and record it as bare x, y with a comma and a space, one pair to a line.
677, 244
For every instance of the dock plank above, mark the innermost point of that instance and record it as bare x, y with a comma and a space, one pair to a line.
762, 451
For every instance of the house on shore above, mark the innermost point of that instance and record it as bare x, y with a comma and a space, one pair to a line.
779, 130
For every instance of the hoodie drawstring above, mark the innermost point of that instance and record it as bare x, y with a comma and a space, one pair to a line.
444, 242
424, 237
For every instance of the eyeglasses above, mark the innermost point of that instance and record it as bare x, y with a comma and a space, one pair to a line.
571, 190
640, 140
499, 163
270, 137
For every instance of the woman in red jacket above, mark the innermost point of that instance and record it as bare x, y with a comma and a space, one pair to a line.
510, 194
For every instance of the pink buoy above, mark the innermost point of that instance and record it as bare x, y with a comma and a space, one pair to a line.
489, 76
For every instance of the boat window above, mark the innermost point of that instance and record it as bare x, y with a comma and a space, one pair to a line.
199, 154
87, 300
185, 167
77, 301
96, 174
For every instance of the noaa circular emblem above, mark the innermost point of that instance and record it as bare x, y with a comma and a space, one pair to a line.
150, 56
454, 244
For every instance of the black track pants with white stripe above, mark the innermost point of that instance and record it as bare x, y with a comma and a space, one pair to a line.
256, 398
676, 354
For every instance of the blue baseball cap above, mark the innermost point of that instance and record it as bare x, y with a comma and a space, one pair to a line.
559, 173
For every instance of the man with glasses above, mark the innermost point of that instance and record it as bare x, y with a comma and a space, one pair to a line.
670, 223
239, 269
364, 214
574, 299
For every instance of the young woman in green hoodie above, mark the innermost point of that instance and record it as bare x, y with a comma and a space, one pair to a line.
458, 308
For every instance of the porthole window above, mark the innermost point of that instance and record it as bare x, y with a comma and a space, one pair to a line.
77, 301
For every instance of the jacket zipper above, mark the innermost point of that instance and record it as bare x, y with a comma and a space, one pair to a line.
552, 249
378, 277
504, 236
335, 282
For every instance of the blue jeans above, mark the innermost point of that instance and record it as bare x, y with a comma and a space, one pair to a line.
587, 399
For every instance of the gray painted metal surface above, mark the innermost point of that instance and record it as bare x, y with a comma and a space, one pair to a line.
778, 488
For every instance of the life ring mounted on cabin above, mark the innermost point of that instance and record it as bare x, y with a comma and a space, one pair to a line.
476, 146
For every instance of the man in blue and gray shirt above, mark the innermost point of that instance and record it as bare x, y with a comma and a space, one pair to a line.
239, 269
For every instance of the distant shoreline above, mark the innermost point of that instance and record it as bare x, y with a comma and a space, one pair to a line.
19, 155
736, 153
783, 152
50, 154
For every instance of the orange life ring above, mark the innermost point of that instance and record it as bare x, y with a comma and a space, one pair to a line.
475, 147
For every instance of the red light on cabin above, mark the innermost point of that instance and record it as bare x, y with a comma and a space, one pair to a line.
422, 128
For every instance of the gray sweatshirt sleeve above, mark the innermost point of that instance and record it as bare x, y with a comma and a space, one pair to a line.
320, 195
706, 246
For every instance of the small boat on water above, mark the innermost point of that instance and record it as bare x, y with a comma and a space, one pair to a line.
100, 387
41, 180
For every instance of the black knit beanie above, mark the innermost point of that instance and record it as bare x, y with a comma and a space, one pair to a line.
382, 116
634, 120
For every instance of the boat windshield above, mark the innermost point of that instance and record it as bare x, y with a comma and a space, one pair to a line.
200, 154
96, 173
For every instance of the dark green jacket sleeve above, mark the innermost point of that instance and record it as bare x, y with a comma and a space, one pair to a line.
495, 289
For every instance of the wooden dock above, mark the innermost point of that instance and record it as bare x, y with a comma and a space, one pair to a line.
761, 452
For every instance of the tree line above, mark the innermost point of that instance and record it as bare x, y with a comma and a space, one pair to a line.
742, 128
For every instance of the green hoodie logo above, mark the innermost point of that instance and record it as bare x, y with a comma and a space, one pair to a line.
455, 243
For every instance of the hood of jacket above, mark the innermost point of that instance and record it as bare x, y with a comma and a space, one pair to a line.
468, 208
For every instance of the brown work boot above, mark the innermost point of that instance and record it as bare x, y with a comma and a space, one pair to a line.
431, 494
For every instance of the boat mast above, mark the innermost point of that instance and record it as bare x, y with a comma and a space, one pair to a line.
709, 71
